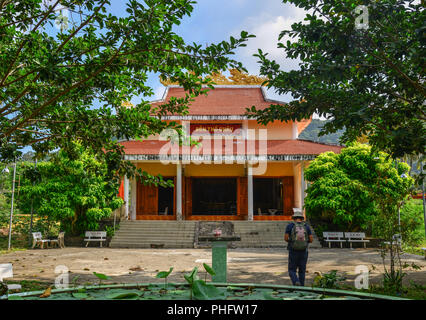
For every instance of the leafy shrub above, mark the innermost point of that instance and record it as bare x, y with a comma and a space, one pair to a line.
413, 220
73, 189
48, 227
345, 188
328, 280
4, 210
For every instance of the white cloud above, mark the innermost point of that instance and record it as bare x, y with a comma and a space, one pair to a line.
267, 26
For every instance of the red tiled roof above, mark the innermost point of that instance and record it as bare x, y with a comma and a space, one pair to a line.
274, 147
231, 100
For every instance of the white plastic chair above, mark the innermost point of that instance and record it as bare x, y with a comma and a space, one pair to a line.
60, 242
37, 240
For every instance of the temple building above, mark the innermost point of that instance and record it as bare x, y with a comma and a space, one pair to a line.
240, 170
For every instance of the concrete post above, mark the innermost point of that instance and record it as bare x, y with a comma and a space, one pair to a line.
219, 260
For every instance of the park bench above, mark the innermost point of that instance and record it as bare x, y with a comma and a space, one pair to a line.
424, 250
95, 236
6, 271
333, 237
356, 237
38, 240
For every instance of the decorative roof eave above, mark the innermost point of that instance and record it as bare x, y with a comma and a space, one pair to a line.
206, 117
226, 158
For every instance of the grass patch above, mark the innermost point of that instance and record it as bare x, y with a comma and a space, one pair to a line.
30, 285
19, 242
413, 291
416, 249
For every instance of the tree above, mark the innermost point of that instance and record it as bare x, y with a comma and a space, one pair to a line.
389, 226
369, 81
52, 80
362, 188
346, 188
75, 191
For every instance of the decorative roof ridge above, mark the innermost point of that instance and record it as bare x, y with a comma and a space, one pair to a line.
236, 78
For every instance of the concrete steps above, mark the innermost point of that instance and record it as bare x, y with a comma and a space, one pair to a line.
149, 233
181, 234
260, 234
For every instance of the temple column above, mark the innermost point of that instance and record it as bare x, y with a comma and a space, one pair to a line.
302, 186
295, 133
126, 197
133, 199
245, 129
178, 191
297, 184
250, 192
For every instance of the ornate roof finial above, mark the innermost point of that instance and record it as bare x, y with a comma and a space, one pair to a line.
127, 104
237, 78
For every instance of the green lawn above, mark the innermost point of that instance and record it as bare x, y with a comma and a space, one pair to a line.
417, 249
413, 291
19, 242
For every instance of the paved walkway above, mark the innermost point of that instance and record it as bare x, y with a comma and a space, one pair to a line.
244, 265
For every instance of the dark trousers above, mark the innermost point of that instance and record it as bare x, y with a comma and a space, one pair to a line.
297, 266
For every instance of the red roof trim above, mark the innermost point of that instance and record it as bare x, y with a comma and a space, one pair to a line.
272, 147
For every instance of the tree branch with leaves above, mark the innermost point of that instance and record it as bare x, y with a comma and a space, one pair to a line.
367, 81
62, 84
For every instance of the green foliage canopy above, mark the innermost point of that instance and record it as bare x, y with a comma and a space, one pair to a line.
75, 192
345, 187
368, 81
51, 78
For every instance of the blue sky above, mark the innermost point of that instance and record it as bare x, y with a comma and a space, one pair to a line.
215, 20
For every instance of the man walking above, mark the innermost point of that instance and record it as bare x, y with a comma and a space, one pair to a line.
298, 235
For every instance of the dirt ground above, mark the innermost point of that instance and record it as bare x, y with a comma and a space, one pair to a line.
244, 265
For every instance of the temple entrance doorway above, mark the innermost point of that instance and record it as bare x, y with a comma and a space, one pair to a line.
268, 196
157, 203
214, 196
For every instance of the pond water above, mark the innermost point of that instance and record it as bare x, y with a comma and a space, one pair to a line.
183, 292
